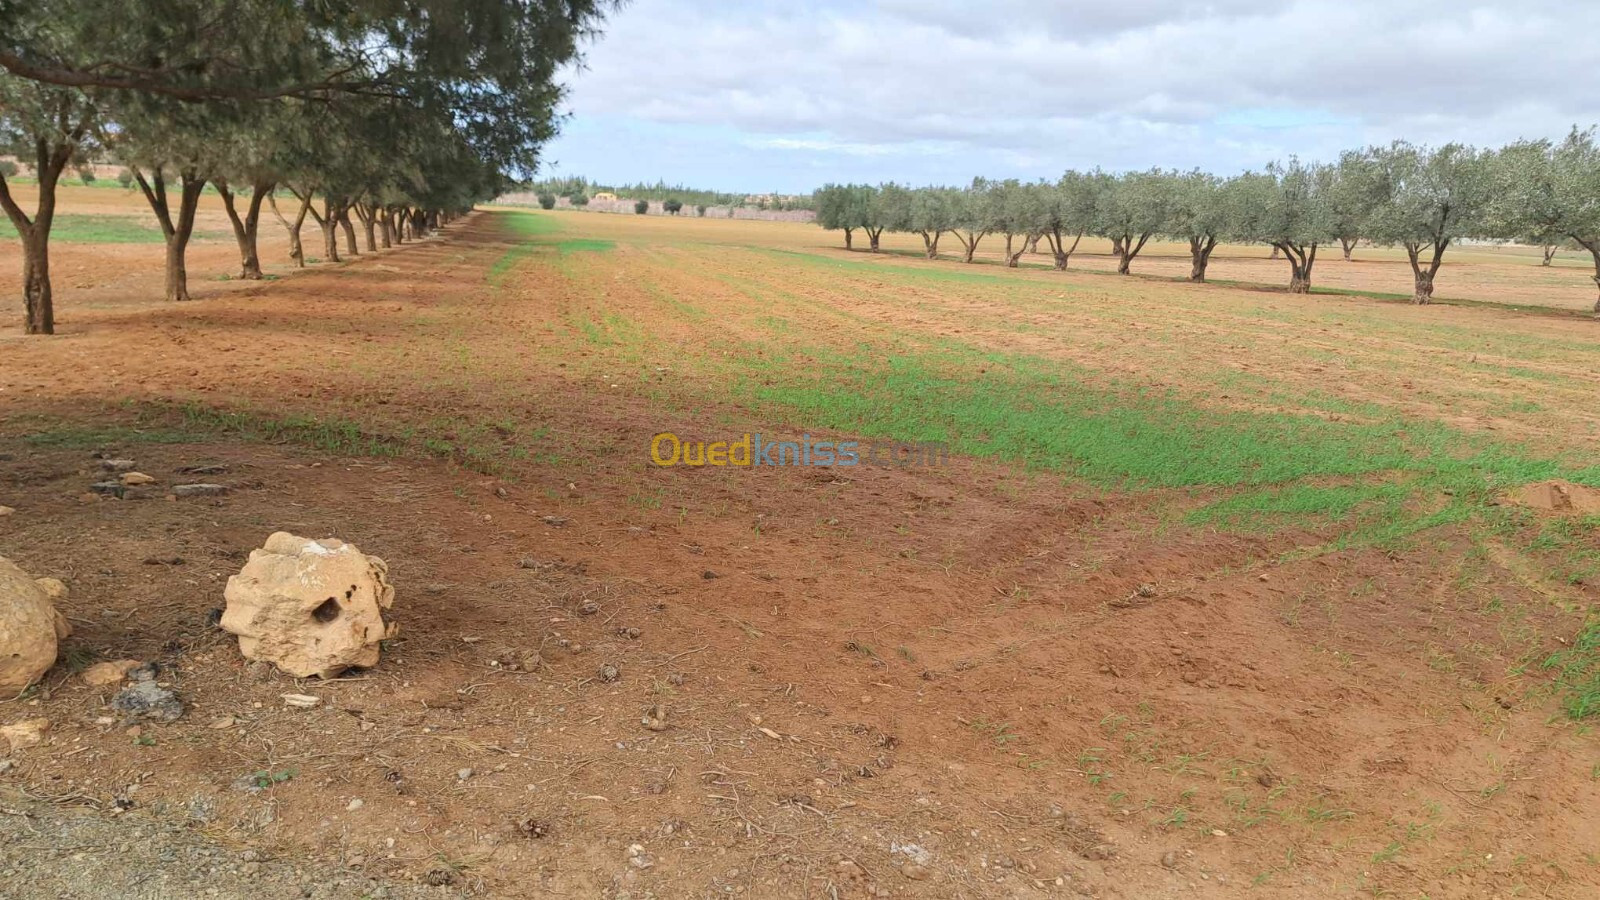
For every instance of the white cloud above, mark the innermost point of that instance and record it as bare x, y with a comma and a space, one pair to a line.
952, 88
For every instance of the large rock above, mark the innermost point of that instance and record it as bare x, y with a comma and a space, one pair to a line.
309, 607
29, 628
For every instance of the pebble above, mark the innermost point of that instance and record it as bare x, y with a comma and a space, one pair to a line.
609, 673
147, 701
355, 804
132, 479
1169, 859
117, 465
6, 511
914, 871
463, 774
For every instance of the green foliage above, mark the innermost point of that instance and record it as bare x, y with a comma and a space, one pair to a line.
672, 205
547, 200
640, 207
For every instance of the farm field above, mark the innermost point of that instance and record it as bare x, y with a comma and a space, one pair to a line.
1223, 592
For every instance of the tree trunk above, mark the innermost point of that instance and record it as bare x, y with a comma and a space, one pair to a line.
329, 220
177, 229
1424, 291
969, 244
37, 301
178, 243
245, 228
1301, 259
1594, 250
1117, 248
1276, 252
1127, 249
349, 232
1424, 274
369, 225
1349, 244
1013, 258
930, 240
1549, 254
1033, 243
847, 238
872, 238
1200, 255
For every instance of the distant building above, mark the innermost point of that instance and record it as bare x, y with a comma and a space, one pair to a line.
604, 195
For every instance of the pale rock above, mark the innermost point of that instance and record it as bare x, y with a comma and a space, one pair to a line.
132, 479
310, 607
27, 733
30, 630
56, 591
6, 511
108, 673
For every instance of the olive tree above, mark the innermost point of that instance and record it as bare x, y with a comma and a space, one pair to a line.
1353, 194
1133, 208
930, 212
1200, 215
50, 127
1428, 198
978, 213
1548, 193
1287, 207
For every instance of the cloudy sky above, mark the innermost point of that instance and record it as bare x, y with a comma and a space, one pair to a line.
755, 96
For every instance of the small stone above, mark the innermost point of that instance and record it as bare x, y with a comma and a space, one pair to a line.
6, 511
145, 700
203, 470
117, 465
609, 673
355, 804
588, 608
1169, 859
527, 562
107, 488
108, 673
463, 774
133, 479
914, 871
223, 723
555, 521
638, 858
1100, 851
1146, 590
27, 733
301, 701
199, 490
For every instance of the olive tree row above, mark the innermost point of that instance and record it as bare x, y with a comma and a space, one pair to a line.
1422, 200
392, 114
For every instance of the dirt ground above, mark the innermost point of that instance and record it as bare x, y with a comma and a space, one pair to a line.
969, 681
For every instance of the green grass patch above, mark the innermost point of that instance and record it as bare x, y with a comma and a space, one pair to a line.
85, 229
585, 245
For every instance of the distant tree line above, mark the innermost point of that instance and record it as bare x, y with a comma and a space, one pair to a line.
1541, 192
387, 116
573, 187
